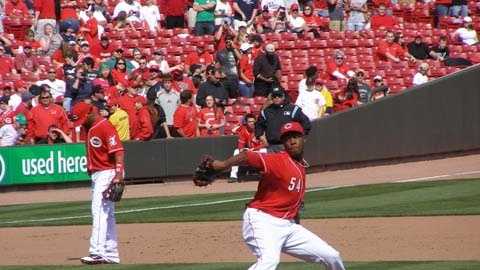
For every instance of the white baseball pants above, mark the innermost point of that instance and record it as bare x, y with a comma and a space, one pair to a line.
103, 241
234, 171
267, 236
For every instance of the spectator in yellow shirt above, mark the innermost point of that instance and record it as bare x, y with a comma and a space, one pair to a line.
119, 119
328, 108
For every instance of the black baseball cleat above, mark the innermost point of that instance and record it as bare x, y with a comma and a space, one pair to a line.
232, 180
93, 259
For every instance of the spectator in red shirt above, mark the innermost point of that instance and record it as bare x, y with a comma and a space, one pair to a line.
142, 73
127, 103
263, 23
337, 68
210, 119
16, 8
6, 63
246, 71
257, 49
200, 57
314, 22
246, 141
144, 130
85, 53
119, 73
349, 98
185, 116
89, 28
103, 49
175, 13
44, 14
389, 50
44, 115
66, 56
382, 19
27, 61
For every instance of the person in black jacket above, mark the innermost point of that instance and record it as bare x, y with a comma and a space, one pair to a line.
418, 49
272, 118
212, 87
267, 71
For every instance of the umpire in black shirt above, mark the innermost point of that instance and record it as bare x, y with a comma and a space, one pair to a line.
272, 118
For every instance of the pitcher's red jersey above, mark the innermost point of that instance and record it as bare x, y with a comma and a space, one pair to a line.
102, 142
282, 188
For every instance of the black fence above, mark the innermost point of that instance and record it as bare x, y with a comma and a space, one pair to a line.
438, 117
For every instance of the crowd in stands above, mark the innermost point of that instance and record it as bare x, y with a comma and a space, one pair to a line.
179, 68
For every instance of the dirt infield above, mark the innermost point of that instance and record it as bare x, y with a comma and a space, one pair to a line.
363, 239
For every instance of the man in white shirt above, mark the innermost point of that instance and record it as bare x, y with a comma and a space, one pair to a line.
8, 133
421, 76
311, 101
151, 15
57, 87
130, 7
168, 99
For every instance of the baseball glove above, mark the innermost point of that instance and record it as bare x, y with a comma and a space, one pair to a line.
114, 192
204, 173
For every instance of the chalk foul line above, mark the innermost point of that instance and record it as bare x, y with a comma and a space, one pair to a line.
138, 210
152, 208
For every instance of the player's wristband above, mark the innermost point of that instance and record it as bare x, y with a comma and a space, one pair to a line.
119, 168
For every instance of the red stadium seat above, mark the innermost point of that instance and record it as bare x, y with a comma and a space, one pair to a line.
147, 43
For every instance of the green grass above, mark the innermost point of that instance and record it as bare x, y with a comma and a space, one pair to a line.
451, 265
454, 197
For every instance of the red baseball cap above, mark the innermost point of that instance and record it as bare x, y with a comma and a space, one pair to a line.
20, 84
291, 127
141, 99
80, 112
112, 101
294, 7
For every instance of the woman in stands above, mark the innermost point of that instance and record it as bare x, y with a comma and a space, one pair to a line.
210, 119
105, 78
120, 72
50, 41
66, 56
349, 98
313, 21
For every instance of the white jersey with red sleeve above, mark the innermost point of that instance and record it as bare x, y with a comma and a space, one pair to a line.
282, 188
102, 141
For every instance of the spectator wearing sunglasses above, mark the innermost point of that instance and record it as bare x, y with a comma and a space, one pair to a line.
337, 68
57, 86
44, 115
